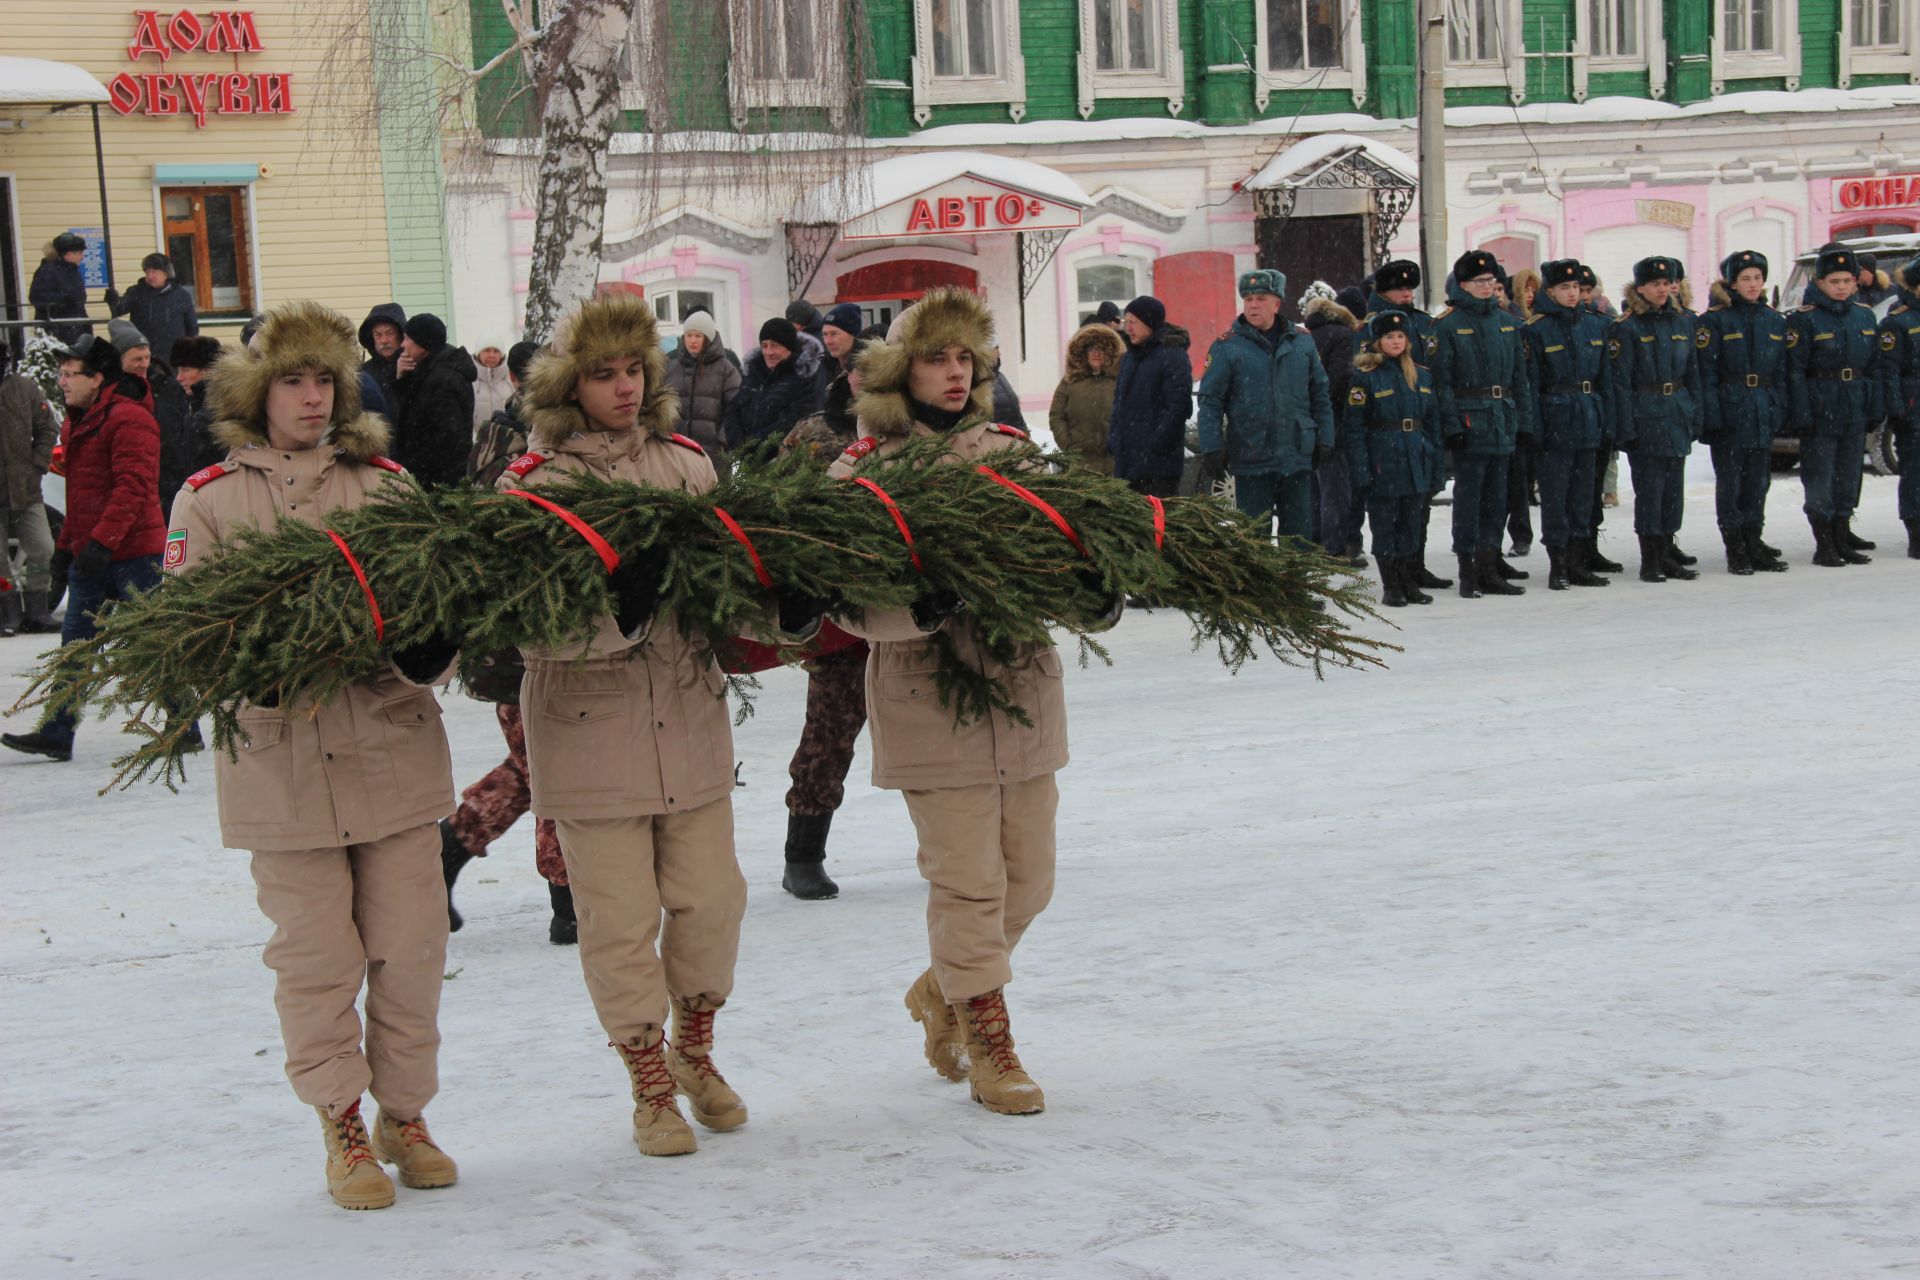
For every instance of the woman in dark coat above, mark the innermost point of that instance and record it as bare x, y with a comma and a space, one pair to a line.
706, 377
1339, 496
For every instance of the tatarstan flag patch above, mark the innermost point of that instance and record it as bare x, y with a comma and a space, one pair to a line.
176, 548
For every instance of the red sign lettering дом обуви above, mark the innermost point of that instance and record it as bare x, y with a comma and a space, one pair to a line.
972, 213
169, 93
1877, 193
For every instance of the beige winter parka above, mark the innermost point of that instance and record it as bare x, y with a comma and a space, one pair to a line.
1083, 402
373, 761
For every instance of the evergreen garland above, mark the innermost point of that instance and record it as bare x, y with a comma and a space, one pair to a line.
280, 617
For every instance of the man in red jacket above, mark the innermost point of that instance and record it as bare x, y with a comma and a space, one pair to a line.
114, 534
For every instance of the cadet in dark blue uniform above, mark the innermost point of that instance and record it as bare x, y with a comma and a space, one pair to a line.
1741, 344
1656, 409
1392, 439
1594, 303
1475, 358
1833, 385
1396, 288
1900, 390
1566, 350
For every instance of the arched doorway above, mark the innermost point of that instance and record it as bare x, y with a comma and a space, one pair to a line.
883, 289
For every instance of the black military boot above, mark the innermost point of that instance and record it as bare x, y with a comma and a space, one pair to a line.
1598, 563
1850, 547
1556, 568
39, 621
12, 613
1409, 584
1677, 567
1824, 553
1739, 564
1763, 558
1423, 577
806, 875
1579, 558
1505, 571
1913, 539
1469, 579
39, 743
1653, 557
1492, 582
1851, 541
453, 856
564, 929
1393, 592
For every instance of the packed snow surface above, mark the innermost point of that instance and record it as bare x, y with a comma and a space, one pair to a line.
1580, 943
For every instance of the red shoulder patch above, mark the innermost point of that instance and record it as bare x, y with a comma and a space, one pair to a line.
686, 442
1006, 430
386, 464
861, 448
526, 465
207, 475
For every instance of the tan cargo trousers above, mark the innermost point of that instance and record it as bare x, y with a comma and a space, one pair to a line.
376, 913
987, 854
627, 873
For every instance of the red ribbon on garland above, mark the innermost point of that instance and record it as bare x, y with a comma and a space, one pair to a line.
1039, 504
733, 527
1159, 522
373, 606
906, 534
601, 547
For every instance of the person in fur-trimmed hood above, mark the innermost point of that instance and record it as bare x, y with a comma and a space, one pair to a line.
629, 744
1339, 497
337, 802
1657, 414
982, 796
1082, 405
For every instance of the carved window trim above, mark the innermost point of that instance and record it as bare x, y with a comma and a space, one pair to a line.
1009, 86
1167, 79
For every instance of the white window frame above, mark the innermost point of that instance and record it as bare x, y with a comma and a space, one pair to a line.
1351, 75
749, 93
1783, 60
1901, 60
1009, 86
1166, 79
633, 96
1140, 266
1652, 55
1509, 70
672, 284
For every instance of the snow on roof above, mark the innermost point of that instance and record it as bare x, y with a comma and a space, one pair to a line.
883, 182
36, 82
1309, 155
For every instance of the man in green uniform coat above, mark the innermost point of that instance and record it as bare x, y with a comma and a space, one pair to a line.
1900, 390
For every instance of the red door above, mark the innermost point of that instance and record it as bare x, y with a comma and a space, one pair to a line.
1198, 290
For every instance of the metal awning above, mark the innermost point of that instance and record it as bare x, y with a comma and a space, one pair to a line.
38, 82
1339, 161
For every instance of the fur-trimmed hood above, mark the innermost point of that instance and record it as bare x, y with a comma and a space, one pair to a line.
943, 318
294, 336
1321, 311
607, 327
1096, 334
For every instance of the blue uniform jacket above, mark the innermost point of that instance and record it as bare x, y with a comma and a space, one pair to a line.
1742, 350
1271, 389
1477, 374
1152, 400
1900, 363
1833, 370
1391, 432
1566, 351
1655, 379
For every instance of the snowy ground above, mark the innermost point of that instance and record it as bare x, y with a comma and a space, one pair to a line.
1581, 943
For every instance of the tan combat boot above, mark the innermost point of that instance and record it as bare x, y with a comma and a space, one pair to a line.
408, 1146
355, 1179
690, 1058
946, 1047
999, 1082
658, 1127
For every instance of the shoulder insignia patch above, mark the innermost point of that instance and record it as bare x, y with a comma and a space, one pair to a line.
1793, 337
1357, 396
686, 442
1887, 340
1805, 306
527, 465
861, 448
1006, 430
176, 549
207, 475
386, 464
1701, 338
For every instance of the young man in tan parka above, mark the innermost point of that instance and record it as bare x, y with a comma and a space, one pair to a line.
982, 797
629, 744
337, 802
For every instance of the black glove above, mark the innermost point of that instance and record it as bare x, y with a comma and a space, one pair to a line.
800, 614
1112, 603
935, 607
424, 662
1322, 455
1213, 469
493, 677
58, 566
93, 561
1457, 441
636, 592
112, 298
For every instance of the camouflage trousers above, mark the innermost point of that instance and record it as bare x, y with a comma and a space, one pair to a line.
497, 801
836, 712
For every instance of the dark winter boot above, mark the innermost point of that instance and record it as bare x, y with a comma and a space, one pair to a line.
1653, 556
12, 611
1850, 547
1677, 567
1469, 579
1763, 558
1598, 563
1422, 577
1556, 568
1579, 554
39, 743
1504, 571
1913, 539
453, 856
1393, 592
564, 929
1409, 583
1739, 564
1492, 581
806, 875
39, 620
1851, 541
1824, 553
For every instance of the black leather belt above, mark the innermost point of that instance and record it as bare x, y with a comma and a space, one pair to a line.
1405, 424
1747, 380
1657, 388
1483, 393
1568, 389
1834, 375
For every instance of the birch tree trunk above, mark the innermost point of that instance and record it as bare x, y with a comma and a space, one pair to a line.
578, 75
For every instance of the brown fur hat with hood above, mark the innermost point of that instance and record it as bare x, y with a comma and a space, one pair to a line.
1326, 309
1096, 334
296, 336
610, 326
944, 317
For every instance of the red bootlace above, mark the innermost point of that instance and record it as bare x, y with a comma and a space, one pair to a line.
415, 1132
650, 1072
351, 1131
992, 1026
696, 1032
